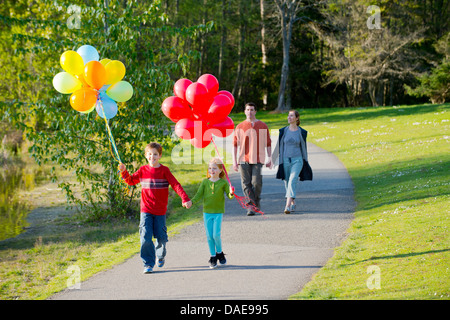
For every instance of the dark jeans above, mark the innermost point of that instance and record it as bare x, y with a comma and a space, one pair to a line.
251, 180
152, 226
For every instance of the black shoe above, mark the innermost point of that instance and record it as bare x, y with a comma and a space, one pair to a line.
213, 262
250, 212
221, 258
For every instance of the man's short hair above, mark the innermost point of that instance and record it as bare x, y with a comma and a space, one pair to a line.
250, 104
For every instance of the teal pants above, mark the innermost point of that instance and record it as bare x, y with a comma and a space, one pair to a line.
213, 227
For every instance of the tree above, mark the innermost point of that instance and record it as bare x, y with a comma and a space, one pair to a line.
367, 59
129, 31
288, 13
436, 84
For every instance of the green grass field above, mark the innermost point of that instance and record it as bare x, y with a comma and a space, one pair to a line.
398, 159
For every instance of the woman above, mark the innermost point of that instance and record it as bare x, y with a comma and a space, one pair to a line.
292, 151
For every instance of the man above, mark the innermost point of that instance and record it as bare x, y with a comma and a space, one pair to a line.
252, 137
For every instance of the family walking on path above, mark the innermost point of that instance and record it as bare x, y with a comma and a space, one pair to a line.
270, 248
252, 139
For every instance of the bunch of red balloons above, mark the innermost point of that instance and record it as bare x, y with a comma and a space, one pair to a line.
200, 110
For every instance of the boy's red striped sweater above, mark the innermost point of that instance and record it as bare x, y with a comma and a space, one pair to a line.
155, 187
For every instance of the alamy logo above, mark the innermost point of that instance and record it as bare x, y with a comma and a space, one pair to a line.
74, 21
374, 21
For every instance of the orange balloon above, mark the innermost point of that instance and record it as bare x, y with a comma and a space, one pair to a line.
81, 78
95, 74
83, 99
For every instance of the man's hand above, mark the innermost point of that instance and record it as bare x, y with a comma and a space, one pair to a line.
236, 167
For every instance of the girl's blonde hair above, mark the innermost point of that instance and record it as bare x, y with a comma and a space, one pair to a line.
219, 164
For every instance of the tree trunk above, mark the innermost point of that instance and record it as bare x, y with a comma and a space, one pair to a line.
263, 53
287, 13
240, 52
222, 41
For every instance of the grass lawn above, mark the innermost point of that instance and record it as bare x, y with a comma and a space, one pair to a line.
55, 250
398, 245
398, 159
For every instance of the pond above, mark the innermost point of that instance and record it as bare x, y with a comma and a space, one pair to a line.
13, 210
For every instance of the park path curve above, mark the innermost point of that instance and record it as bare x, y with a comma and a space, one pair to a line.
269, 257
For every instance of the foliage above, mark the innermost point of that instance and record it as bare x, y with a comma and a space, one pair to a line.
137, 33
398, 160
436, 84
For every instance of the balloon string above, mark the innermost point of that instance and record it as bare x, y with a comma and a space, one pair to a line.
112, 145
110, 136
245, 202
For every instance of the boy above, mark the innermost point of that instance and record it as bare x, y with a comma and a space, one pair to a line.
155, 179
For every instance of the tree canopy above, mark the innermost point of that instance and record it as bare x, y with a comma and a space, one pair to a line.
278, 54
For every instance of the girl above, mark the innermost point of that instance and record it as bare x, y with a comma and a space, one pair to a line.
212, 190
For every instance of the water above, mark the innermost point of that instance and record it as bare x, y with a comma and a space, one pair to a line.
14, 211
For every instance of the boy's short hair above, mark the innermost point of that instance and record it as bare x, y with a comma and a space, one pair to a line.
153, 145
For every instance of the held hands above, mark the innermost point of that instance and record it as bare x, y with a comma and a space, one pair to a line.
187, 205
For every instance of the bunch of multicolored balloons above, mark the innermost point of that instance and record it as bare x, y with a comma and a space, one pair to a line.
200, 110
92, 83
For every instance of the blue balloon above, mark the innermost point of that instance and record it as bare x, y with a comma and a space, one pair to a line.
109, 106
88, 53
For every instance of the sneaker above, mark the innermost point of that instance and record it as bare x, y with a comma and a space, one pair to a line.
148, 269
250, 212
221, 258
287, 210
292, 209
213, 262
161, 262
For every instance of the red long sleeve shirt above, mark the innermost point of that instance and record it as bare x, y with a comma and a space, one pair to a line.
155, 188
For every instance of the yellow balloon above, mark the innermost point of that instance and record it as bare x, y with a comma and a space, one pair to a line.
105, 61
72, 62
115, 71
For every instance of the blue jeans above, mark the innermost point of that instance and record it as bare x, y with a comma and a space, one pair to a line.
292, 168
213, 227
152, 225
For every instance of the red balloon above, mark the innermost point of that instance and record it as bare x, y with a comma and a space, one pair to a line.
176, 108
219, 110
200, 143
224, 128
229, 95
198, 98
180, 88
210, 82
187, 128
200, 139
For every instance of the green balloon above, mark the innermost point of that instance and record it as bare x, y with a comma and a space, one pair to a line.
120, 91
66, 83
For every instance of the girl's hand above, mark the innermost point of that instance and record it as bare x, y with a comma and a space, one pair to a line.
232, 190
122, 167
187, 205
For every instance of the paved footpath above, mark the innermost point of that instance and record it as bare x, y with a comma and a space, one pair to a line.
268, 257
